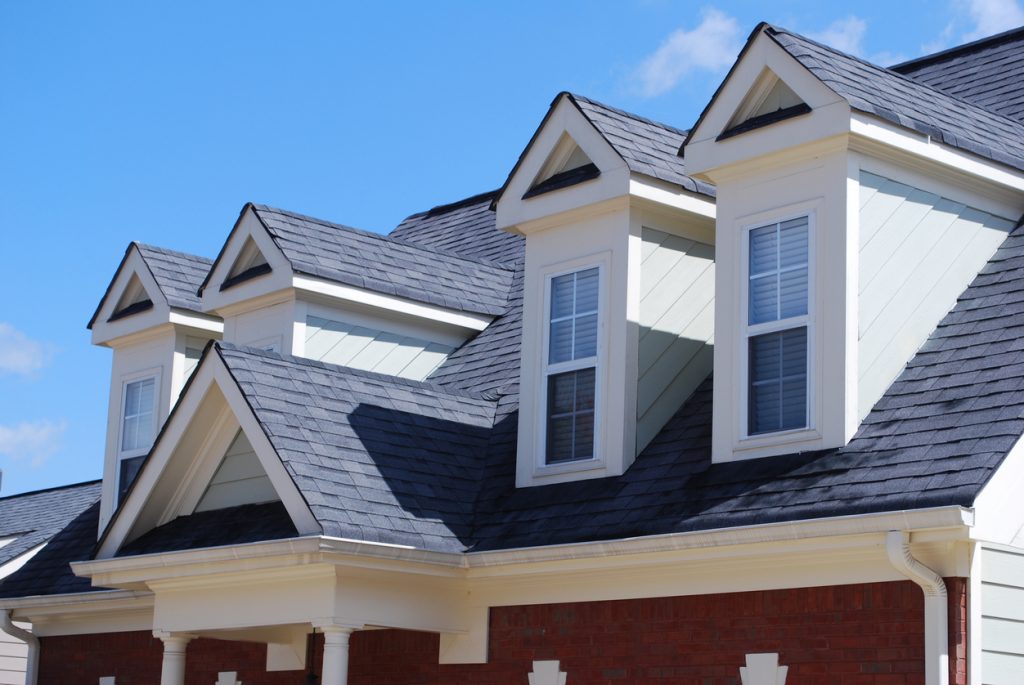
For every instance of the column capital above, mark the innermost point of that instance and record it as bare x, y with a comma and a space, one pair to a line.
326, 626
171, 639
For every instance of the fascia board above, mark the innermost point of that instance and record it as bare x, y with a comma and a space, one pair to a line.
248, 225
872, 135
943, 524
565, 118
763, 53
388, 303
670, 196
200, 322
104, 331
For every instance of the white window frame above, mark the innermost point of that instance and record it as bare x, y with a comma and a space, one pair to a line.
748, 331
602, 263
156, 374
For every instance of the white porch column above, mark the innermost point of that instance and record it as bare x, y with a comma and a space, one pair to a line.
335, 667
172, 672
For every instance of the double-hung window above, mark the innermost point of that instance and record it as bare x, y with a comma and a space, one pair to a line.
138, 425
570, 371
777, 327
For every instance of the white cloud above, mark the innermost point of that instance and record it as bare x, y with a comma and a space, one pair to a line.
19, 353
846, 35
34, 440
711, 46
993, 16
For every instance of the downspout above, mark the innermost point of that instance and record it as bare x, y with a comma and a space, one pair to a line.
936, 607
32, 663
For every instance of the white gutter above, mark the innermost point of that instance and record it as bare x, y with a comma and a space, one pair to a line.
32, 662
936, 607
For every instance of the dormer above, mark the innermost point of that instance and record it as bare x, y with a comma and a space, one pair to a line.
301, 286
150, 317
618, 288
841, 239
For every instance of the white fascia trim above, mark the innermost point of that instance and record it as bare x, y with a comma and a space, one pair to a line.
670, 195
954, 521
319, 286
85, 601
203, 322
876, 130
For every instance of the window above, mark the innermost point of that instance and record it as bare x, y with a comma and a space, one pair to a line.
777, 327
138, 426
571, 366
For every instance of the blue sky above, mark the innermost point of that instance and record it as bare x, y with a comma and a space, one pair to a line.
158, 121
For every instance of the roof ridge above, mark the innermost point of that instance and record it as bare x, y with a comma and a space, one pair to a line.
51, 489
168, 250
775, 29
348, 370
384, 237
631, 115
458, 204
956, 50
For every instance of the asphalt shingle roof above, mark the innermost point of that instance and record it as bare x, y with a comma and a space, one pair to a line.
376, 457
387, 265
65, 519
647, 147
465, 228
178, 275
907, 102
988, 72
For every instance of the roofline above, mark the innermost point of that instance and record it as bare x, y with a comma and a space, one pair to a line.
956, 50
220, 254
445, 208
110, 286
52, 489
707, 108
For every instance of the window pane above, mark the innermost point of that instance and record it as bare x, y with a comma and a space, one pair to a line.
586, 337
129, 469
778, 272
586, 291
137, 422
562, 290
560, 345
778, 381
570, 430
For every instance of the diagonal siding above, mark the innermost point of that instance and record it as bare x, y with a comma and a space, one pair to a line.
677, 287
918, 252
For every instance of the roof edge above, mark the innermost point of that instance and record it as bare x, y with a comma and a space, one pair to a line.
55, 488
956, 50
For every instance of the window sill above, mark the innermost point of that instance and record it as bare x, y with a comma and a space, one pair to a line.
795, 437
584, 465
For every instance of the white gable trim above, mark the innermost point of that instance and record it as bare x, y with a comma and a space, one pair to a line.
248, 227
829, 116
134, 266
564, 119
153, 501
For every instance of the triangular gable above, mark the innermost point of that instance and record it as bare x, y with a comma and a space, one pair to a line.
249, 264
133, 300
189, 454
567, 153
766, 85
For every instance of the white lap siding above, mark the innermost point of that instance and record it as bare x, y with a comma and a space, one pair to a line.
12, 659
1002, 623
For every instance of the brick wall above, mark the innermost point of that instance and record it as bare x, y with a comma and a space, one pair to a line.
869, 634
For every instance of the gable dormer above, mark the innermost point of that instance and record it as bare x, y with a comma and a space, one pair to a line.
151, 319
828, 216
618, 298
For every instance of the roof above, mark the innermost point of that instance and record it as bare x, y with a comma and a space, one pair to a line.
908, 102
647, 147
376, 458
177, 274
987, 72
464, 228
386, 264
63, 518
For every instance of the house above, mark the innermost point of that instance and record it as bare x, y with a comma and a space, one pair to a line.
732, 404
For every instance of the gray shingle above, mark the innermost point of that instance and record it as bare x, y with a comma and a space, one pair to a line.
908, 102
178, 275
387, 265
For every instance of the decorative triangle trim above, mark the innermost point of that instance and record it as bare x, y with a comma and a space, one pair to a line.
566, 165
134, 299
249, 264
769, 100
